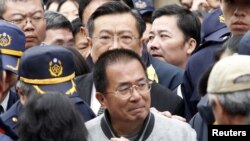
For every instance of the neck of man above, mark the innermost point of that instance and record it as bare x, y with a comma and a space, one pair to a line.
236, 120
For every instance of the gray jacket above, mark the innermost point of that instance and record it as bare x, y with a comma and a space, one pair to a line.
157, 128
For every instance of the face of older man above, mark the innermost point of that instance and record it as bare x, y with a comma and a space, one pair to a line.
29, 17
237, 15
134, 106
112, 31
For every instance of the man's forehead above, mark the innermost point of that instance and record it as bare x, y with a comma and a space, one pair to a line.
112, 19
121, 31
18, 9
38, 2
91, 7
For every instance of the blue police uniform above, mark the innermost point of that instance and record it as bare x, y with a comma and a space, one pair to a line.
6, 133
4, 137
12, 46
49, 68
213, 34
11, 116
244, 45
13, 98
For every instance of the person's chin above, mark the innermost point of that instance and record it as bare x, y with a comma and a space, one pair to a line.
30, 44
139, 113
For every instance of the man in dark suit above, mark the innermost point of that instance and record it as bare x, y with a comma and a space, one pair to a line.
12, 46
106, 34
166, 74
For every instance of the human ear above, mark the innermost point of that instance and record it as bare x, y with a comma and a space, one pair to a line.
100, 97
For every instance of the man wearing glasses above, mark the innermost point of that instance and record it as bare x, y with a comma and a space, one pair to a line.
111, 26
125, 94
28, 15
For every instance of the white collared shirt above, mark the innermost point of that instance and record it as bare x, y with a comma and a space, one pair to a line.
94, 103
4, 104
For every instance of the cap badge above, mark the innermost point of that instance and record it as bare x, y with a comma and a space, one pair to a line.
140, 4
221, 19
5, 39
55, 67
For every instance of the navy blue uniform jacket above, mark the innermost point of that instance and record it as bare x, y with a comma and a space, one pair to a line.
16, 109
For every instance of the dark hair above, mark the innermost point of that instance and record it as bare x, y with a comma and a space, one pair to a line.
84, 3
51, 117
56, 20
2, 8
186, 5
49, 2
188, 23
202, 83
115, 7
147, 17
76, 26
230, 46
82, 6
81, 66
108, 58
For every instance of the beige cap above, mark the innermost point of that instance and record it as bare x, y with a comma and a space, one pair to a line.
225, 73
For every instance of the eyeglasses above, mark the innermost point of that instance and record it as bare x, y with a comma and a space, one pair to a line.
107, 39
35, 20
126, 91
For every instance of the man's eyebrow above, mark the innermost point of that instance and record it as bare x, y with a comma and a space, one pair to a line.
20, 14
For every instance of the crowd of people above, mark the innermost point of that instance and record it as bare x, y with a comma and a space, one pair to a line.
122, 70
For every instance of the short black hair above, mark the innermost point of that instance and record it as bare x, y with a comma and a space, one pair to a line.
81, 66
84, 3
51, 116
188, 23
49, 2
76, 26
56, 20
115, 7
108, 58
82, 6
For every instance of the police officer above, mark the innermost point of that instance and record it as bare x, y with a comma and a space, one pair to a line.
12, 46
213, 34
41, 69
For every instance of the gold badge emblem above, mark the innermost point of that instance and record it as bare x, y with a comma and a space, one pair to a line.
140, 4
5, 39
222, 19
55, 67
